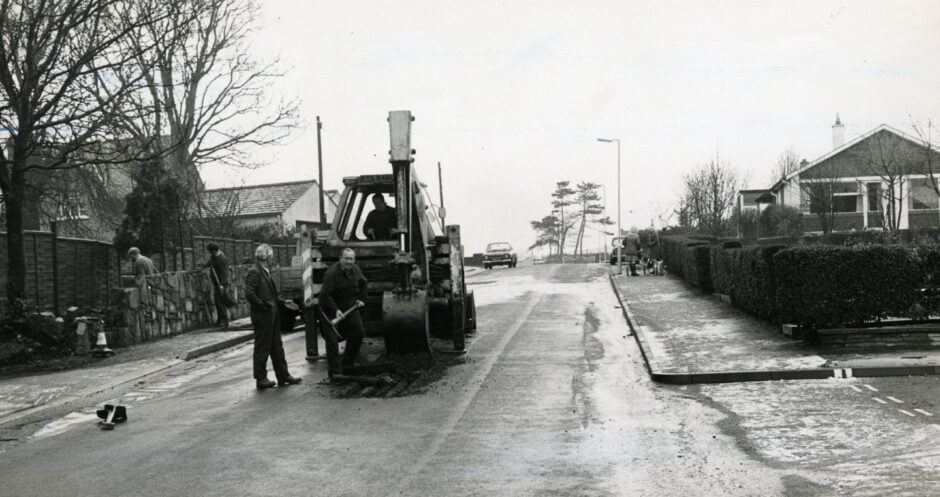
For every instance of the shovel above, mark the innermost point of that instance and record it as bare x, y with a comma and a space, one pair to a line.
333, 322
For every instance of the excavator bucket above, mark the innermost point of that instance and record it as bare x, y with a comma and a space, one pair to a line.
405, 320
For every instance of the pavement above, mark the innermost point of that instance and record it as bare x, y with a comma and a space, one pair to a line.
688, 336
24, 395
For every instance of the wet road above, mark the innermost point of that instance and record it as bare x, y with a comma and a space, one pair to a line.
552, 399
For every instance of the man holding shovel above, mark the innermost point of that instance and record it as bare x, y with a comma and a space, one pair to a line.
342, 294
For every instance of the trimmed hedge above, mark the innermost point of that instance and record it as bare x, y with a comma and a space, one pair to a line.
816, 285
673, 251
696, 266
828, 286
746, 274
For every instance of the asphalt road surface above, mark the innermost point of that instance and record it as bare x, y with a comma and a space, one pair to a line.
552, 399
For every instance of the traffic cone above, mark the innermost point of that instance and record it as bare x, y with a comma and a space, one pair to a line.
101, 348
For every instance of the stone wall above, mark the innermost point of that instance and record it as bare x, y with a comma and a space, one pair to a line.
172, 302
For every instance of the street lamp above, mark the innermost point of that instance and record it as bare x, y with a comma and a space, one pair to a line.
611, 140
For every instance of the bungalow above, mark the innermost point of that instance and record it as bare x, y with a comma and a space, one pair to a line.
289, 205
883, 179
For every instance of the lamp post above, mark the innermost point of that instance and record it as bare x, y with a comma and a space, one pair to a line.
610, 140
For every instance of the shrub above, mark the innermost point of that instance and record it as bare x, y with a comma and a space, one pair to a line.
747, 222
35, 336
720, 266
826, 286
696, 266
674, 252
780, 220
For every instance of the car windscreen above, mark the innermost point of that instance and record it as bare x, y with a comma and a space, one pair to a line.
498, 246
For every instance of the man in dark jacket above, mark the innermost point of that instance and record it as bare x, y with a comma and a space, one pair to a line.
261, 293
344, 288
381, 221
218, 274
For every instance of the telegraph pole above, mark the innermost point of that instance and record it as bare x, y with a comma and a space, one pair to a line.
320, 162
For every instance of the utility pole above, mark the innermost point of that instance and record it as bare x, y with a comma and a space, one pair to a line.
320, 162
440, 188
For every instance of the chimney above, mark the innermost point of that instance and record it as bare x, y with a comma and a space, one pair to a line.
838, 133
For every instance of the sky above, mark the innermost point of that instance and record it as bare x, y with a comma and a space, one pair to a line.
511, 96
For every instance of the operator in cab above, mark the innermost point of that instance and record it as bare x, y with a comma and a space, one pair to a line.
381, 221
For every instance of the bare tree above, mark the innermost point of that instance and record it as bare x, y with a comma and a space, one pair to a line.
709, 197
205, 95
788, 162
818, 190
931, 161
50, 53
891, 159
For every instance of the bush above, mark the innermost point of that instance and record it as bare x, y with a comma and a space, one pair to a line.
780, 220
673, 251
696, 266
720, 266
747, 222
828, 286
35, 336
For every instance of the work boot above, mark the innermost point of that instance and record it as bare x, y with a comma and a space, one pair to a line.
264, 383
290, 380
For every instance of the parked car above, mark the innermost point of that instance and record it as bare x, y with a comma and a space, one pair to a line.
616, 242
499, 253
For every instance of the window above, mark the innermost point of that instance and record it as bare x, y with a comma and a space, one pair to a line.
71, 211
923, 196
843, 197
358, 208
845, 203
874, 196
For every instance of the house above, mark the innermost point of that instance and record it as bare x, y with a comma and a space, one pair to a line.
289, 205
882, 179
754, 199
85, 199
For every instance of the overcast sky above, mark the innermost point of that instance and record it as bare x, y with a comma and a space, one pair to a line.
511, 96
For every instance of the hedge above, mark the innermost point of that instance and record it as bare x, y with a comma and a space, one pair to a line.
673, 251
828, 286
695, 266
746, 274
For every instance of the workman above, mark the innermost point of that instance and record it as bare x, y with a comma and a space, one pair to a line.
143, 267
380, 221
218, 274
342, 294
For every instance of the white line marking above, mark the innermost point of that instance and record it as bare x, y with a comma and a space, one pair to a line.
853, 387
892, 399
873, 389
925, 413
876, 399
902, 411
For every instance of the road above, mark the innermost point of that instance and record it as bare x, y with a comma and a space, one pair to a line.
551, 399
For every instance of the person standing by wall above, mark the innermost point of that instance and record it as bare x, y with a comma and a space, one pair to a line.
344, 286
218, 274
261, 293
142, 266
